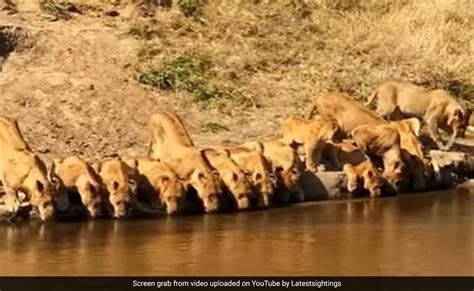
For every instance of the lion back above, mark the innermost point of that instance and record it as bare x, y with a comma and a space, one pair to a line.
10, 134
168, 126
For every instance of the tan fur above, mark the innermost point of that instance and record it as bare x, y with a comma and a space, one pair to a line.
345, 111
254, 164
121, 189
413, 152
348, 157
232, 176
286, 166
170, 143
159, 184
372, 133
74, 174
413, 124
23, 171
437, 108
382, 141
311, 134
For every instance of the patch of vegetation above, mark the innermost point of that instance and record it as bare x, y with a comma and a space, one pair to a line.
58, 10
212, 127
191, 8
148, 51
182, 73
145, 30
187, 73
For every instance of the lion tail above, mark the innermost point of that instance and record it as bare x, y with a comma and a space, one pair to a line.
52, 171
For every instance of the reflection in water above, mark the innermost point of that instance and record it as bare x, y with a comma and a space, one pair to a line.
423, 234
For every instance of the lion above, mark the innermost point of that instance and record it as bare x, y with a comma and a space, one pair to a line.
346, 156
437, 108
311, 134
233, 177
413, 152
343, 110
382, 142
258, 170
287, 168
73, 175
158, 184
373, 134
120, 187
23, 171
171, 144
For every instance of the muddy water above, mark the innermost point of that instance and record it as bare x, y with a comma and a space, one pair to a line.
422, 234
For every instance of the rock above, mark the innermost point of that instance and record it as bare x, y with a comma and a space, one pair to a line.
112, 13
324, 185
467, 187
23, 213
451, 167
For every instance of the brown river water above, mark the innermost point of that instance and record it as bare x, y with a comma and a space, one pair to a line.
413, 234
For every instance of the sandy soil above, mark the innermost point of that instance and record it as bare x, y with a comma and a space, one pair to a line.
73, 92
72, 86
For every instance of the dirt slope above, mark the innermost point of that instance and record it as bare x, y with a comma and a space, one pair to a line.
73, 85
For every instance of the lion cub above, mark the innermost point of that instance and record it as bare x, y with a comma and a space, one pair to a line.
23, 171
286, 166
232, 176
121, 189
73, 174
159, 184
413, 153
436, 107
382, 142
311, 134
348, 157
259, 171
171, 144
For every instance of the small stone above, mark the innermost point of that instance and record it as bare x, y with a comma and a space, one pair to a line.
112, 13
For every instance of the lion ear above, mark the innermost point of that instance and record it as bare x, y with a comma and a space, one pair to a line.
226, 152
458, 113
254, 146
468, 114
187, 186
131, 162
259, 147
415, 125
96, 166
52, 177
164, 179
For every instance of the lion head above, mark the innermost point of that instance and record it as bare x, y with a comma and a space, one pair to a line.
206, 181
172, 191
91, 195
373, 181
40, 192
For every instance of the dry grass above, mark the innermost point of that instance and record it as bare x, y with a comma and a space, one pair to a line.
265, 58
284, 52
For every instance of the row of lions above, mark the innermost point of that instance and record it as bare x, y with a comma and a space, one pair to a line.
387, 140
377, 154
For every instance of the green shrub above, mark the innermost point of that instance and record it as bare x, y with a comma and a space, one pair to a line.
190, 8
188, 73
212, 127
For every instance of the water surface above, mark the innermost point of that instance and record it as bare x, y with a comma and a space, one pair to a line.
418, 234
